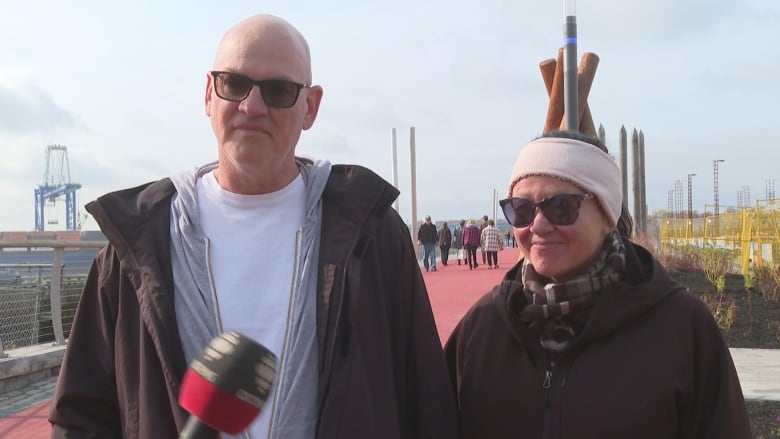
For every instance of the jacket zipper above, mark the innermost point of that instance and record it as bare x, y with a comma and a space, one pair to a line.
329, 360
217, 313
282, 358
546, 384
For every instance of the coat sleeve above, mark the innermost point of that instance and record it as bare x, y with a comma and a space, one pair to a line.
716, 408
452, 354
85, 399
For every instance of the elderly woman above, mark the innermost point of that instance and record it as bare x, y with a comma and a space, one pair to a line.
588, 336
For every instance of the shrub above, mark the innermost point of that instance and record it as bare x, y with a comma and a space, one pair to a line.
715, 262
683, 258
750, 281
768, 280
722, 308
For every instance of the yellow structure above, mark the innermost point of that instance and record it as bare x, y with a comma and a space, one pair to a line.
752, 231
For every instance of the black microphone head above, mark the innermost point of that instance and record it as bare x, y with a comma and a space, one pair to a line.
228, 384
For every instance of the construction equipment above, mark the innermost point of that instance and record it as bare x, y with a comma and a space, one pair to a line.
56, 185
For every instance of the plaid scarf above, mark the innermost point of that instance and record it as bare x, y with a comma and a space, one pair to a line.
550, 306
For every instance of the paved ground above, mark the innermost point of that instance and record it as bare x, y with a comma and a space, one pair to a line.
452, 290
23, 412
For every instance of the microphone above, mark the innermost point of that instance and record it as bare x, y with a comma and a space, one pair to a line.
225, 388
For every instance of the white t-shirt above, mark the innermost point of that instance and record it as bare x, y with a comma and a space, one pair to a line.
252, 246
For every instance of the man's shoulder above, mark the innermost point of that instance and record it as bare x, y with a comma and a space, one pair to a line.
355, 178
355, 190
136, 200
149, 192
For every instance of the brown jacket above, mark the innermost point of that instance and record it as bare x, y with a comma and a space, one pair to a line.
382, 374
650, 363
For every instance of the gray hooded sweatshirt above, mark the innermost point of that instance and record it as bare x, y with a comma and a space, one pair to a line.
293, 410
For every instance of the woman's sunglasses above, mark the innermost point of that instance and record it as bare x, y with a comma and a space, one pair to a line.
277, 93
560, 210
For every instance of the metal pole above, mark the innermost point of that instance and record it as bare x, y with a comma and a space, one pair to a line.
495, 203
690, 196
394, 153
414, 190
570, 92
642, 179
56, 297
624, 163
678, 197
636, 184
715, 195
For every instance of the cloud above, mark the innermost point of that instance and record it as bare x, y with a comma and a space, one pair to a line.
28, 109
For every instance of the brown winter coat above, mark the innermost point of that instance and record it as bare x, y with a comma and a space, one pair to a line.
650, 363
382, 374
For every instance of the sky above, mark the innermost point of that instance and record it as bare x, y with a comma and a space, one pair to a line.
121, 85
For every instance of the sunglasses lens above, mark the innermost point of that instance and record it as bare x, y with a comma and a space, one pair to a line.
278, 93
561, 210
519, 211
233, 87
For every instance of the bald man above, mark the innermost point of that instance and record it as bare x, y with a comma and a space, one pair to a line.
306, 257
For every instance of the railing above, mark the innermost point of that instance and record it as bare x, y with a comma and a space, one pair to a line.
753, 232
40, 284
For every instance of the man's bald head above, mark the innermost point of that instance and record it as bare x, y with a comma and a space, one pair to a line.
266, 33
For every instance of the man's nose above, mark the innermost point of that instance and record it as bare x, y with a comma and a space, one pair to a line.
254, 103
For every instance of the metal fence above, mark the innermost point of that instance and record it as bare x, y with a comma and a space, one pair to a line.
40, 285
753, 232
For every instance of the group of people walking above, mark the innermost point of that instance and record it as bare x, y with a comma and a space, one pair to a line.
464, 239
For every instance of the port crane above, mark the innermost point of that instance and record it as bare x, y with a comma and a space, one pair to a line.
56, 185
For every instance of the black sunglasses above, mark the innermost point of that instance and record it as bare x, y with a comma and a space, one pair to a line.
560, 210
277, 93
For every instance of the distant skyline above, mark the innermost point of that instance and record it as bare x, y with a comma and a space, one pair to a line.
121, 85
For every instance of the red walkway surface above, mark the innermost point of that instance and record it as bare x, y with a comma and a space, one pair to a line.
452, 290
27, 424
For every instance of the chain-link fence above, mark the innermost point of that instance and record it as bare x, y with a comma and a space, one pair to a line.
37, 300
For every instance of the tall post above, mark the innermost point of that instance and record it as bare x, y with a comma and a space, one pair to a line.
495, 203
678, 197
690, 196
642, 179
55, 291
689, 229
602, 134
570, 91
414, 189
624, 163
394, 161
715, 196
636, 185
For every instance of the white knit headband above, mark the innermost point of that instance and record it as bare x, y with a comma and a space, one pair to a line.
575, 161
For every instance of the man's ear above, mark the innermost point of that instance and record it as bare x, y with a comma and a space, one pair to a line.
313, 99
207, 100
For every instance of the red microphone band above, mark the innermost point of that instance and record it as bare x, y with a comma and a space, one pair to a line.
214, 407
